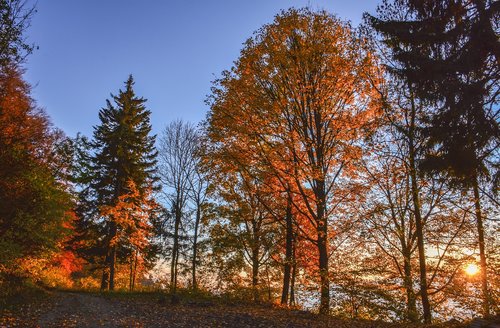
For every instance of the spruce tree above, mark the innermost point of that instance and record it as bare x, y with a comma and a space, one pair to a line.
123, 155
448, 53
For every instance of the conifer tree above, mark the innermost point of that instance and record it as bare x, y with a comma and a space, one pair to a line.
123, 155
448, 52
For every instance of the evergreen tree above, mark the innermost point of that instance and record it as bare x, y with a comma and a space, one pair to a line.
448, 52
123, 154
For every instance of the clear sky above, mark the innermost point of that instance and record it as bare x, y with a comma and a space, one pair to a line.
174, 49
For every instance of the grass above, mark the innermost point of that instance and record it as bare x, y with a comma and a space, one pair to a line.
15, 294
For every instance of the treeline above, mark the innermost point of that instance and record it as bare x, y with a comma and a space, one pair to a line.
351, 170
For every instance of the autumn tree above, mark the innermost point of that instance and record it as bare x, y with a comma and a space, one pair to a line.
132, 213
34, 199
118, 178
247, 222
298, 97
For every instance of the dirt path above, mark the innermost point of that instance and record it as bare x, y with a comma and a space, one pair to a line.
71, 309
82, 310
88, 310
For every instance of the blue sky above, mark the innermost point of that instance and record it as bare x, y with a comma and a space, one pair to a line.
174, 49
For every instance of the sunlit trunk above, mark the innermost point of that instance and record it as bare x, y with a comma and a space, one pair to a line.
135, 271
105, 274
131, 273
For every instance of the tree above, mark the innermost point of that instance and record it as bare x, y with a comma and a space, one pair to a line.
448, 52
35, 201
298, 98
132, 213
15, 18
390, 222
177, 149
198, 189
122, 164
248, 222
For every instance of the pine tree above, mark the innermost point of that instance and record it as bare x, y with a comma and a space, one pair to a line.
123, 155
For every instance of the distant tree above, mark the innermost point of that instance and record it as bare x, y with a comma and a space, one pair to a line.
119, 175
198, 194
449, 54
177, 154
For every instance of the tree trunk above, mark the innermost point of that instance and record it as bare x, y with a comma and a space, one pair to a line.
112, 264
255, 279
322, 230
131, 273
175, 251
269, 293
419, 229
411, 302
323, 272
294, 271
112, 256
135, 271
482, 253
105, 275
255, 266
195, 245
288, 252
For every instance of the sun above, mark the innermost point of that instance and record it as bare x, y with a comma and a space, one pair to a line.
471, 269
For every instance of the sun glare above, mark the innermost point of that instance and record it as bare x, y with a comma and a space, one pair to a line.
471, 269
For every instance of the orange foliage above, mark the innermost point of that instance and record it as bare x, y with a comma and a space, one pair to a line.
297, 105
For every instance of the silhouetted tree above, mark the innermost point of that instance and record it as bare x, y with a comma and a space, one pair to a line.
15, 18
177, 150
449, 54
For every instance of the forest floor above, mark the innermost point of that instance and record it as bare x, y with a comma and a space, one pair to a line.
85, 309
